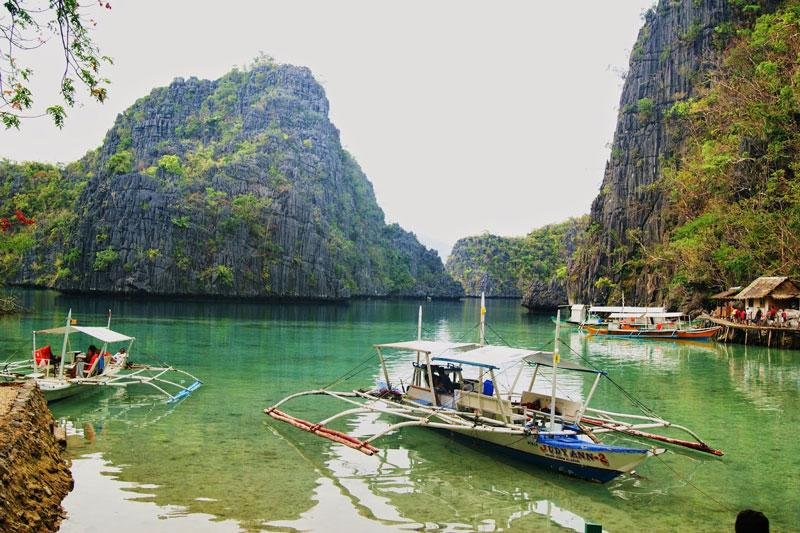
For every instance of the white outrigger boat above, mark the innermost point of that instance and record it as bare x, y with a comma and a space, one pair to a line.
545, 429
70, 374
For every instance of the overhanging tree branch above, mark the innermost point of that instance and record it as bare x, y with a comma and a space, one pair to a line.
29, 24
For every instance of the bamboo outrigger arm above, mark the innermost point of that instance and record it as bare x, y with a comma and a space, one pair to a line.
659, 421
699, 445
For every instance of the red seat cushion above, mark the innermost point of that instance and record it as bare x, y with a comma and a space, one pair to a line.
43, 354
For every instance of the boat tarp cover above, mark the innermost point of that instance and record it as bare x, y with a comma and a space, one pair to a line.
488, 356
652, 314
626, 309
99, 333
429, 347
546, 359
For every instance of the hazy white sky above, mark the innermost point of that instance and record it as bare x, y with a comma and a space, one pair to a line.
466, 116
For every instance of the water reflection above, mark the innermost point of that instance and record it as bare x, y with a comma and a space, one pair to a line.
405, 489
608, 352
217, 455
104, 500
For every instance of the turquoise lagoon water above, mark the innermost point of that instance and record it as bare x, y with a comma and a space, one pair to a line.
216, 462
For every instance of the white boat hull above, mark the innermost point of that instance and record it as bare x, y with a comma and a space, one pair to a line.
59, 389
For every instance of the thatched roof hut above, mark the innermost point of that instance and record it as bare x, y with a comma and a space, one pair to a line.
769, 291
777, 287
729, 294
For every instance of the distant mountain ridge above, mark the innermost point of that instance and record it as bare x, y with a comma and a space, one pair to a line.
233, 187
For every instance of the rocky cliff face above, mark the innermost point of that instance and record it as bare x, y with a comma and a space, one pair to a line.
236, 187
677, 46
483, 264
548, 292
533, 266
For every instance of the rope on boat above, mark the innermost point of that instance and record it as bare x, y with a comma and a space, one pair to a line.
633, 399
505, 342
647, 410
722, 505
361, 367
350, 374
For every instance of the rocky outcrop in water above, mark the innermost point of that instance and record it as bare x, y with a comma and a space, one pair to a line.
232, 187
34, 474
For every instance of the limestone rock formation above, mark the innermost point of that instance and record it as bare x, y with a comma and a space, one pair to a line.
233, 187
534, 266
677, 46
482, 264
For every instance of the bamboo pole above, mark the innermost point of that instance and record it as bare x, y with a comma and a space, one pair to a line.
330, 434
699, 446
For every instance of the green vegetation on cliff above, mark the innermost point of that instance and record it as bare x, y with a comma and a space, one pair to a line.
734, 189
486, 263
533, 266
700, 192
237, 186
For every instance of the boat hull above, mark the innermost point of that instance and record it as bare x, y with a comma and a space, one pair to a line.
696, 334
54, 390
568, 455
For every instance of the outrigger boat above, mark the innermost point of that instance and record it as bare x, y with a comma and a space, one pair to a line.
700, 334
69, 374
651, 325
545, 429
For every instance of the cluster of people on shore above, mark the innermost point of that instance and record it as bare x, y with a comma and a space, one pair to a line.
773, 317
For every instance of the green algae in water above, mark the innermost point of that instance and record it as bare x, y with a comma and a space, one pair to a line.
217, 454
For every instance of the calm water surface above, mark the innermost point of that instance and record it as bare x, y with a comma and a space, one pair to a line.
216, 462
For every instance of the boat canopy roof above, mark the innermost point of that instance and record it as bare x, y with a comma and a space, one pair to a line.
428, 347
625, 309
99, 333
649, 314
546, 359
487, 356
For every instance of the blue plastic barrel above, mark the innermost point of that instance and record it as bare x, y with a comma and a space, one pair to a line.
488, 387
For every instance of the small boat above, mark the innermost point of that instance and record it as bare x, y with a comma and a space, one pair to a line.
454, 387
70, 372
655, 331
651, 324
597, 315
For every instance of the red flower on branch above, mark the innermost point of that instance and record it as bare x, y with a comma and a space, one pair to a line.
5, 224
22, 218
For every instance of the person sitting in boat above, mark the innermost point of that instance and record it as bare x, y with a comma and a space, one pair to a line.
92, 354
119, 357
442, 382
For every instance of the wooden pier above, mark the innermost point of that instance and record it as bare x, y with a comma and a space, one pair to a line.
762, 335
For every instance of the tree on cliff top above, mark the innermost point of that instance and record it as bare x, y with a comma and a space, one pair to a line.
28, 25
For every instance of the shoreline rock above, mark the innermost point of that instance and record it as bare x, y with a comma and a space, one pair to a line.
34, 471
